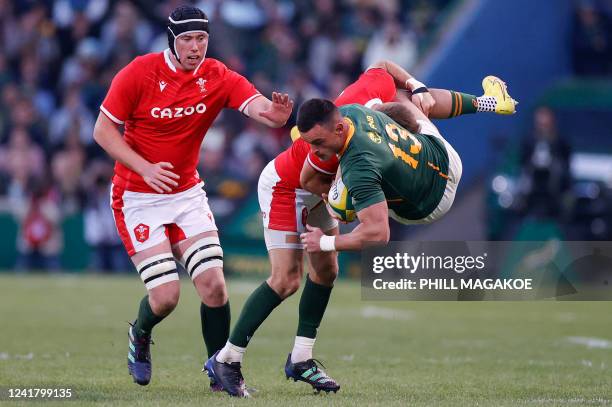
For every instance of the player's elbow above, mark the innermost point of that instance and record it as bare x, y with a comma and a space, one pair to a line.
383, 235
378, 233
97, 133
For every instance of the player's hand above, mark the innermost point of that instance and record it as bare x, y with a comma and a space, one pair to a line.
311, 239
280, 109
158, 177
424, 101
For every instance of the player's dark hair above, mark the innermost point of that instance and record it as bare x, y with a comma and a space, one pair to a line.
400, 114
313, 112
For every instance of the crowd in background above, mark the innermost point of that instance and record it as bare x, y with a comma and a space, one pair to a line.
547, 189
592, 38
58, 57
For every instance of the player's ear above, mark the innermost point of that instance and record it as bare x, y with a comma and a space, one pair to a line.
339, 129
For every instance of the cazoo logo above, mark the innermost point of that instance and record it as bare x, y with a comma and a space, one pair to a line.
170, 113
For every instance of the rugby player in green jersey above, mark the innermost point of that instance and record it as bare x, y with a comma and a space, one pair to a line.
390, 171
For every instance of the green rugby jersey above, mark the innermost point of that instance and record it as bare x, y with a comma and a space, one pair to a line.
383, 161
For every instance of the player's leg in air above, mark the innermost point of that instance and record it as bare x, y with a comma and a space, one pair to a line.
157, 270
285, 215
449, 103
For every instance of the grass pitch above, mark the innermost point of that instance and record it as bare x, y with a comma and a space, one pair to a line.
69, 331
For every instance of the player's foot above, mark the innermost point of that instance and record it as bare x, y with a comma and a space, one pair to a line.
495, 87
139, 356
215, 387
227, 375
309, 372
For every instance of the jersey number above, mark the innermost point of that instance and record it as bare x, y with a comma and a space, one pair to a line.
395, 132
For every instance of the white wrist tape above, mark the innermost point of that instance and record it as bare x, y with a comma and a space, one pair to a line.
327, 243
413, 84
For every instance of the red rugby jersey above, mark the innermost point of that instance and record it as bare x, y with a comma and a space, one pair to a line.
167, 111
373, 86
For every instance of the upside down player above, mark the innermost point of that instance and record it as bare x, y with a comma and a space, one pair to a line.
286, 209
167, 101
388, 170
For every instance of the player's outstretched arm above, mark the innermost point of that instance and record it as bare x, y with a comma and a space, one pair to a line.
272, 113
158, 176
373, 228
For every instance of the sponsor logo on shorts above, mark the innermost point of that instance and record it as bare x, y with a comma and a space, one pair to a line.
141, 232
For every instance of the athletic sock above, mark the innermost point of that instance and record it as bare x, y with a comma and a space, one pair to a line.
302, 349
215, 326
486, 104
312, 307
256, 309
230, 354
463, 103
146, 318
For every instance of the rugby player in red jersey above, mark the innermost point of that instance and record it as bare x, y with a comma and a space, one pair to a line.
166, 102
286, 209
290, 190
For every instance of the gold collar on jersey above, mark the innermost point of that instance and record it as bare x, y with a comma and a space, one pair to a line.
349, 136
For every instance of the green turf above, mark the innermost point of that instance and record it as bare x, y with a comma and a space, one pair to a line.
68, 331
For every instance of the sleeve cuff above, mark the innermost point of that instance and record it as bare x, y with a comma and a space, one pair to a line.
110, 116
316, 167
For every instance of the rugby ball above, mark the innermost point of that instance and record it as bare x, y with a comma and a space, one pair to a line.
340, 202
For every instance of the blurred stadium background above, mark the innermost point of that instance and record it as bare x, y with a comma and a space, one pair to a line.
544, 173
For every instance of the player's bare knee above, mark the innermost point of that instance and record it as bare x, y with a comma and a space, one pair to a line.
213, 290
328, 273
285, 280
284, 287
164, 298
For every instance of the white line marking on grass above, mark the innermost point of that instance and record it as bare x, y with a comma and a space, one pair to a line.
4, 356
536, 362
465, 343
347, 358
27, 356
371, 311
591, 343
566, 317
577, 400
450, 360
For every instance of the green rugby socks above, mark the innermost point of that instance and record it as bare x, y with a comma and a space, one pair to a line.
146, 318
258, 306
462, 103
313, 303
215, 326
